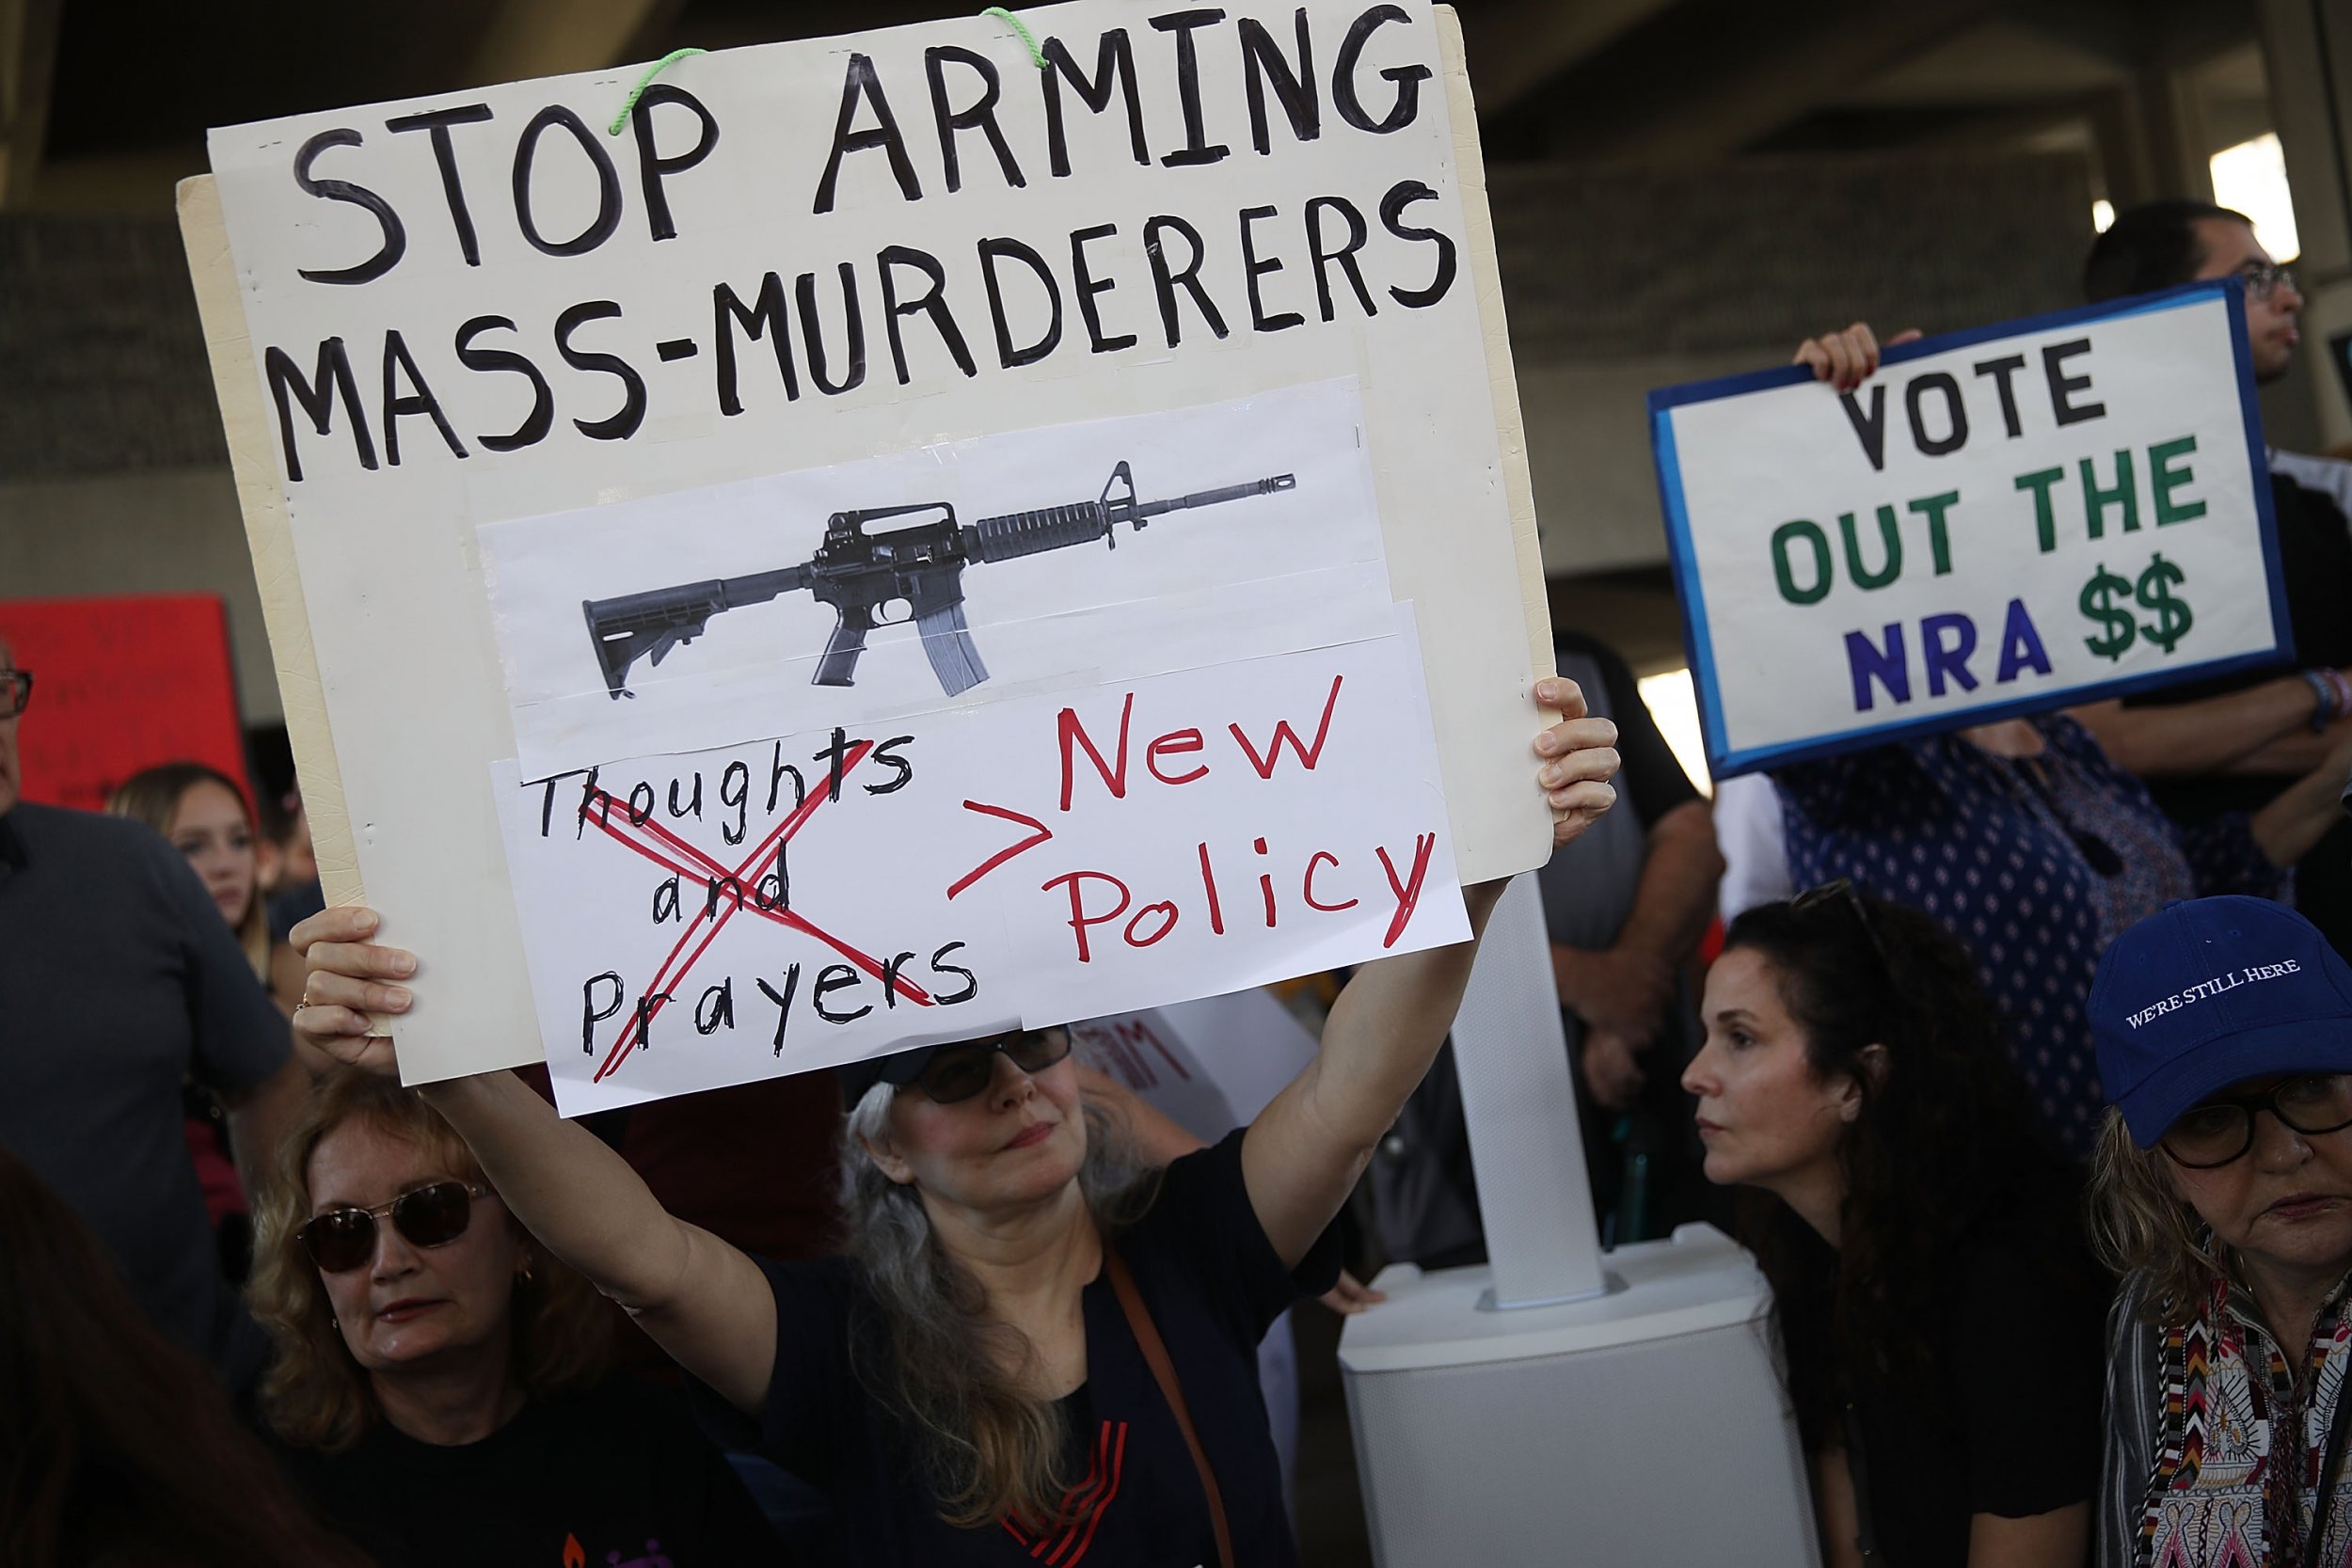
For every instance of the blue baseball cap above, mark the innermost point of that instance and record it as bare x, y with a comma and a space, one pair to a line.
2211, 993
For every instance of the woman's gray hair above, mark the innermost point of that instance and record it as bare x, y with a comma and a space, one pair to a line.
957, 1376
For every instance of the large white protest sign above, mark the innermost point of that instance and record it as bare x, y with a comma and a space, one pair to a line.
889, 396
1999, 522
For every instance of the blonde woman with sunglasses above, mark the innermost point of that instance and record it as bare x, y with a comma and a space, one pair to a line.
441, 1388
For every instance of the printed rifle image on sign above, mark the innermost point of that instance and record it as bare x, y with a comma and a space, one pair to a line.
860, 573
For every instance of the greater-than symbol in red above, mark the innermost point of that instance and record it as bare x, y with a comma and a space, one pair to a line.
1039, 833
664, 848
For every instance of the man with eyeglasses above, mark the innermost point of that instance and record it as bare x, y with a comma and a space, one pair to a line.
119, 978
2234, 743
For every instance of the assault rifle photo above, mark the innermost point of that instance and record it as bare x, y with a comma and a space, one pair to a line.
859, 574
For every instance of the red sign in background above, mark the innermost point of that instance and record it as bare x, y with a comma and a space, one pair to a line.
122, 684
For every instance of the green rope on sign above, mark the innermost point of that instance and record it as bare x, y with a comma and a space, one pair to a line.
645, 80
1037, 55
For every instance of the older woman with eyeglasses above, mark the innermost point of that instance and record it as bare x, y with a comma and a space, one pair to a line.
1030, 1354
2223, 1192
440, 1388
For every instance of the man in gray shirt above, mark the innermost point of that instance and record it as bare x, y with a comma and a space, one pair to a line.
117, 976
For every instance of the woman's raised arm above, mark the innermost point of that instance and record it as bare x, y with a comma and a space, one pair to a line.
702, 1300
1303, 1155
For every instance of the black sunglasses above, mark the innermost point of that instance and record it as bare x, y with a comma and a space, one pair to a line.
1842, 894
16, 691
2222, 1129
961, 1071
341, 1239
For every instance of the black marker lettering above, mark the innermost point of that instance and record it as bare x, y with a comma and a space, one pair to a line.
710, 1019
1114, 65
652, 167
859, 82
1408, 78
395, 242
1344, 256
737, 777
765, 319
1198, 149
941, 966
1252, 269
980, 115
1165, 282
886, 756
993, 250
1401, 195
1087, 287
1262, 65
931, 302
591, 1014
833, 977
608, 216
317, 398
783, 1002
623, 424
420, 401
541, 418
437, 123
813, 333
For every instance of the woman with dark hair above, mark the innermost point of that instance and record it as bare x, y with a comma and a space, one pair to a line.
116, 1446
1934, 1305
1028, 1356
441, 1384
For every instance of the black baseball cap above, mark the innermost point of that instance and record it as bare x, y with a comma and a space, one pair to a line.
898, 1069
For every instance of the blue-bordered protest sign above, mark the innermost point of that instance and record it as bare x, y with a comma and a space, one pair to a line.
2001, 521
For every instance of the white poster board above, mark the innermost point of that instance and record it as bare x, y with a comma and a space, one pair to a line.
483, 353
1999, 522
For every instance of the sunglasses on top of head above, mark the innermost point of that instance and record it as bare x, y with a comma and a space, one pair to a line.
961, 1071
341, 1239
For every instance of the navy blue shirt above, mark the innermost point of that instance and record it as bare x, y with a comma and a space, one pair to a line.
1213, 1284
2035, 863
118, 977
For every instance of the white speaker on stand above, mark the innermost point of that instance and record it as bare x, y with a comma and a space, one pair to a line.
1559, 1404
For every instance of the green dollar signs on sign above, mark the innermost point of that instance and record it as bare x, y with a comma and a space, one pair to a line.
2098, 603
2155, 593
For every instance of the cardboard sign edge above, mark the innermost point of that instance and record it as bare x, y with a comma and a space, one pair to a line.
269, 534
1499, 854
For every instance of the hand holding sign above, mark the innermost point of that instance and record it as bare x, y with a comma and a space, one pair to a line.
1964, 528
1847, 360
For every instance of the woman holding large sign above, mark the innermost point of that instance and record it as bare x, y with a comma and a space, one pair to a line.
1025, 1354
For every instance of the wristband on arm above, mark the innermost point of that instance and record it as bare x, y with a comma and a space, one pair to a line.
2332, 695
